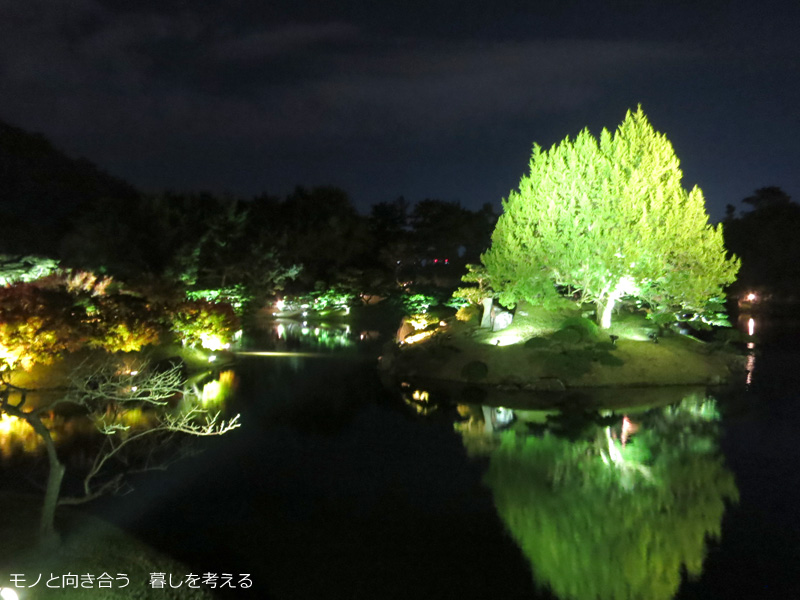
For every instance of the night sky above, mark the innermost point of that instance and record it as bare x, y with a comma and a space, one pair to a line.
415, 98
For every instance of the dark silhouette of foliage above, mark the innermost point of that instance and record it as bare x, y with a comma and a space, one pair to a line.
766, 240
40, 187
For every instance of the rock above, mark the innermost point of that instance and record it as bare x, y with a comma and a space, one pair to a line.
486, 318
548, 384
502, 320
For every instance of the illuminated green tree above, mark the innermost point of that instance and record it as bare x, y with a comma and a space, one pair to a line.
24, 268
45, 319
608, 218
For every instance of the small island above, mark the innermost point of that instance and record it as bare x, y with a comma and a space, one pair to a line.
603, 271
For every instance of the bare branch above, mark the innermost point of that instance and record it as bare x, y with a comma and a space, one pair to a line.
109, 382
103, 390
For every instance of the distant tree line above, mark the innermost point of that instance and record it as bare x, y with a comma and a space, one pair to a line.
765, 238
311, 239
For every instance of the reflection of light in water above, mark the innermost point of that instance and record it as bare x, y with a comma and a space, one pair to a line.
217, 390
15, 432
751, 326
628, 428
751, 365
420, 400
317, 334
210, 391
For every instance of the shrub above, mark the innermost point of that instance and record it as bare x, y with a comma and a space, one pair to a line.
122, 323
662, 320
586, 327
475, 371
536, 343
418, 303
37, 325
468, 313
42, 320
203, 323
568, 336
235, 295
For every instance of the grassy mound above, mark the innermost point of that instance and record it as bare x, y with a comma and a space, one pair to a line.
562, 344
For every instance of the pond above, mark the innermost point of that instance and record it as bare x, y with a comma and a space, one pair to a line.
338, 487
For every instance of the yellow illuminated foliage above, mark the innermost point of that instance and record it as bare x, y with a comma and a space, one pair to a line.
16, 434
218, 390
202, 323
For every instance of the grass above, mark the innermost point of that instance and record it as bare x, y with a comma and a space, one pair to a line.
675, 360
89, 546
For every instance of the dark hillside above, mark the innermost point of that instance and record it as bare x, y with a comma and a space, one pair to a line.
41, 187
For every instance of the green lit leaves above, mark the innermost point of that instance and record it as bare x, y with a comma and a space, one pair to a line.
609, 219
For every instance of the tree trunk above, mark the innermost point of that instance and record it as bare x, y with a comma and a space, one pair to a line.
48, 537
605, 308
607, 311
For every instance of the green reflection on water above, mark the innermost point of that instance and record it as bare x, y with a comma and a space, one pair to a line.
599, 519
315, 335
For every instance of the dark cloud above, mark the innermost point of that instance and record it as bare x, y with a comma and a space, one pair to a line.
258, 97
279, 41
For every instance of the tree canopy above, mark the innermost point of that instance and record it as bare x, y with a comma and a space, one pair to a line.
609, 218
766, 240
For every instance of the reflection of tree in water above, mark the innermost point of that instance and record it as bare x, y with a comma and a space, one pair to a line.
602, 520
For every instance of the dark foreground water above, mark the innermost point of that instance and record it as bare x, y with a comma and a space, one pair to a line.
334, 488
